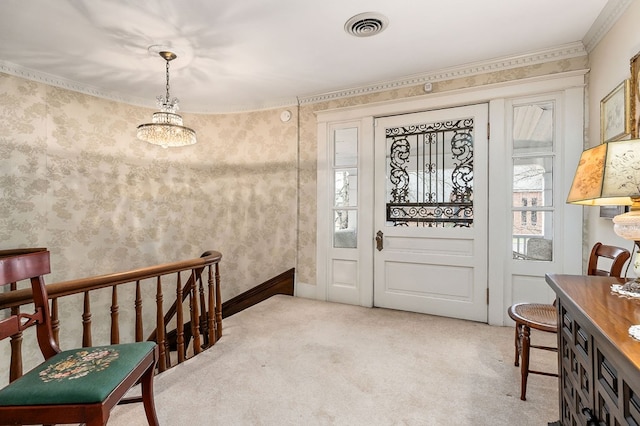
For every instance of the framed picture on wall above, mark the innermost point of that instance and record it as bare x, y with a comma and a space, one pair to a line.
609, 212
635, 96
615, 122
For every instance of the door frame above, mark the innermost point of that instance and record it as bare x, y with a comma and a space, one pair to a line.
459, 252
572, 85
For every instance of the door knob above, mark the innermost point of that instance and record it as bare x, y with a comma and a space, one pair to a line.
379, 244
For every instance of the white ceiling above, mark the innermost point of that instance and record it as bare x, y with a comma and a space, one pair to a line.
252, 54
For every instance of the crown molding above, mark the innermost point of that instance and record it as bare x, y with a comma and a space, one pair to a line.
566, 51
52, 80
603, 23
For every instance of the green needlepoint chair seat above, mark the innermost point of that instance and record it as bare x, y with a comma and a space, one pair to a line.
78, 376
78, 386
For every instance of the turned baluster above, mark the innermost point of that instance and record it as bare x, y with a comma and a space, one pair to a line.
115, 314
15, 371
138, 308
160, 330
212, 308
218, 304
179, 321
195, 314
86, 322
55, 321
203, 314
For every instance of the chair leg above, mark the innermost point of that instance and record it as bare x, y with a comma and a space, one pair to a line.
516, 344
524, 369
146, 382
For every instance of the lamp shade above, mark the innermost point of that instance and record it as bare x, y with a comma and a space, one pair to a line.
608, 174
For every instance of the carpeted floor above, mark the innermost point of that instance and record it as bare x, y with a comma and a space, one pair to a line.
293, 361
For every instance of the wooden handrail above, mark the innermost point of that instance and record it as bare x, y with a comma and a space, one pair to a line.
67, 288
205, 314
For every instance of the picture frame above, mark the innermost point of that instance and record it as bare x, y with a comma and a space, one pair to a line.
609, 212
615, 123
634, 88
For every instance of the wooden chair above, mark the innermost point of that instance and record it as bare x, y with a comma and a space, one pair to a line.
543, 317
73, 386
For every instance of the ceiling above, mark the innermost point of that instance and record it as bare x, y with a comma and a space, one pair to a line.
253, 54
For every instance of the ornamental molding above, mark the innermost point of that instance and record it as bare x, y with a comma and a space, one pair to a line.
612, 11
52, 80
567, 51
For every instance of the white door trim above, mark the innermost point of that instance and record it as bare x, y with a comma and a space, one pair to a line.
572, 83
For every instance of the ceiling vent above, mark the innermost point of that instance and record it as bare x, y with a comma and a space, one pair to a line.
366, 24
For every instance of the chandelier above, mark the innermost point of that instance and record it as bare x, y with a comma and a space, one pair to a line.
166, 127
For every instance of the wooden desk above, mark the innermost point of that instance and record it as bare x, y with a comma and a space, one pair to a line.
598, 362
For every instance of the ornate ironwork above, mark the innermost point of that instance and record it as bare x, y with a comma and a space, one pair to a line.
462, 175
398, 175
432, 199
458, 214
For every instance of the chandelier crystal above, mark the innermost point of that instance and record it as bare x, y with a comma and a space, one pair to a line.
166, 128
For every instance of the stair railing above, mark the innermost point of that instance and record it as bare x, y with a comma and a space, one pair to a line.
201, 289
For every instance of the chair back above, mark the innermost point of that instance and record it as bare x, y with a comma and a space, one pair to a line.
32, 265
617, 255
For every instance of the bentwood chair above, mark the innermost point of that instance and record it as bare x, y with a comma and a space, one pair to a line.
543, 317
73, 386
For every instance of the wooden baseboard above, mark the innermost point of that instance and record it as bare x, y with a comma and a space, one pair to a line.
282, 284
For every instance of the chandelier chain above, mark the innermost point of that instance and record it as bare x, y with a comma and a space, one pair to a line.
167, 99
166, 128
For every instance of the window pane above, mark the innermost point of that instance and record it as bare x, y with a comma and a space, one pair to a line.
532, 181
429, 169
532, 237
345, 147
345, 230
346, 188
533, 128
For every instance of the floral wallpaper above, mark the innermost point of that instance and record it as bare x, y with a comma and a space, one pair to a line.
74, 179
77, 181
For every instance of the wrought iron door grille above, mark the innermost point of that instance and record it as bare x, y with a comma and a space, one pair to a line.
430, 174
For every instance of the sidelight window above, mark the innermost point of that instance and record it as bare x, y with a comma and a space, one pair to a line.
533, 154
345, 188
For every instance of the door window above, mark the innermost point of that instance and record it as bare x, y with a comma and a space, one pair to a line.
430, 174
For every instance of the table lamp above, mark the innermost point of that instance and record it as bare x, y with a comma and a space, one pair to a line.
609, 175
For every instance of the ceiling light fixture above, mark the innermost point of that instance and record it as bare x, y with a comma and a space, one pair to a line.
166, 128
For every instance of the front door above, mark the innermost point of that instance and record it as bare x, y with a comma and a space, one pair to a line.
431, 212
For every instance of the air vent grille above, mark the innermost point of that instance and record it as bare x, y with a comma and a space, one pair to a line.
366, 24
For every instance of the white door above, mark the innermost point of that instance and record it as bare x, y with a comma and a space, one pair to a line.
431, 212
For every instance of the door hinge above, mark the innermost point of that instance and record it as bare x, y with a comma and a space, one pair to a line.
488, 131
487, 295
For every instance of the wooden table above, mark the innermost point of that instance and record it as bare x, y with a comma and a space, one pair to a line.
599, 363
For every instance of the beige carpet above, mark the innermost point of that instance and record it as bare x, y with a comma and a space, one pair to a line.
293, 361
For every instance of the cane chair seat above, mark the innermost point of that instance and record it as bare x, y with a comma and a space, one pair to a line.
538, 315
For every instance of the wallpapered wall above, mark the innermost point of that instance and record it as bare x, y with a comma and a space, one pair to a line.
77, 181
74, 179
